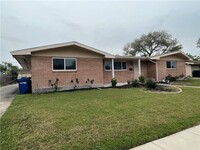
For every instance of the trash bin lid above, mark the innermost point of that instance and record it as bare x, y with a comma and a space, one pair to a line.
23, 79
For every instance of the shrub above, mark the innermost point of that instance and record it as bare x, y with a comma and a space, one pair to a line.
150, 84
114, 82
170, 78
181, 76
128, 82
142, 79
53, 85
135, 83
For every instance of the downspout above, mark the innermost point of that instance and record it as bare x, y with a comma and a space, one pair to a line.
156, 68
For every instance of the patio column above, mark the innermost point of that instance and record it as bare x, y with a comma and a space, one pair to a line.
139, 68
113, 72
156, 71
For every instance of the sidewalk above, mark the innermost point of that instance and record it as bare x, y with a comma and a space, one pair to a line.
188, 139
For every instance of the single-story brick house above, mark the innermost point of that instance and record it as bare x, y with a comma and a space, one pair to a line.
72, 61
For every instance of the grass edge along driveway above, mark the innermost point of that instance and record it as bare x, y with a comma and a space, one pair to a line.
97, 119
188, 82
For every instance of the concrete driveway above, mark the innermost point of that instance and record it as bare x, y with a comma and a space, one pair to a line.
7, 93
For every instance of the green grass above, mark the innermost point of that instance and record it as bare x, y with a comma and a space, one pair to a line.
96, 119
188, 82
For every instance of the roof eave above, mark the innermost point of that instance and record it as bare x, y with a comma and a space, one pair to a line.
172, 53
30, 50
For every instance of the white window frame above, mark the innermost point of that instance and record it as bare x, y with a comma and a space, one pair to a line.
121, 66
171, 61
65, 70
114, 68
105, 66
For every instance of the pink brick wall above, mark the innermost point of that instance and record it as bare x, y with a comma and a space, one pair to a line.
87, 68
144, 68
92, 68
151, 70
123, 76
163, 71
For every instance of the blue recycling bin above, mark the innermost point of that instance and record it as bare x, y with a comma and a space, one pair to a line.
24, 85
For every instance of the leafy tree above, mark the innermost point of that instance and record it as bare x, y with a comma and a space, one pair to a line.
194, 57
9, 69
198, 43
157, 42
5, 67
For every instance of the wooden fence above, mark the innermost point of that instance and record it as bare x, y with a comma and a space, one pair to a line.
6, 79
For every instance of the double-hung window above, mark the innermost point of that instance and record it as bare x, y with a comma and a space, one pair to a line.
64, 64
171, 64
118, 65
108, 65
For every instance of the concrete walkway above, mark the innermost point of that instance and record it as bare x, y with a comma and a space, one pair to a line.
188, 139
190, 86
7, 93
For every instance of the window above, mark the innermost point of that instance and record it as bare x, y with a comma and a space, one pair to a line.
108, 65
58, 64
124, 65
68, 64
171, 64
118, 65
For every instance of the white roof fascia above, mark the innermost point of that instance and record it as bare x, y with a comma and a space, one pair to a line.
131, 57
30, 50
189, 63
168, 54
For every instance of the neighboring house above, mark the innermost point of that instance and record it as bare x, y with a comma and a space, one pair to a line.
195, 67
71, 62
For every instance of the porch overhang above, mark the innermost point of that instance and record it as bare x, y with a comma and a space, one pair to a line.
131, 58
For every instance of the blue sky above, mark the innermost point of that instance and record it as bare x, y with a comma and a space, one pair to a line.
105, 25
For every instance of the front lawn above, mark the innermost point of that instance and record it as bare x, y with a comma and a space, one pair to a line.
188, 82
97, 119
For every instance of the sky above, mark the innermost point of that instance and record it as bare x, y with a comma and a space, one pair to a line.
104, 24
